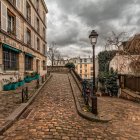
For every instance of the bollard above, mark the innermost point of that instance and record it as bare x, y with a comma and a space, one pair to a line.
94, 104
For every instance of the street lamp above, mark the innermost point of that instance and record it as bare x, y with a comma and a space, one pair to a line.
93, 39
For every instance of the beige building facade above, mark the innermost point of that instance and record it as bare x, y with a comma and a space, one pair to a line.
22, 38
121, 64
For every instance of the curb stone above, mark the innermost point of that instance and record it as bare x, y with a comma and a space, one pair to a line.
18, 112
86, 115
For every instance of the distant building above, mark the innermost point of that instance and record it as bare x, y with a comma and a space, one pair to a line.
83, 66
22, 38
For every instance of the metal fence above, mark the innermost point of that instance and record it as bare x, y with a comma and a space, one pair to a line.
132, 83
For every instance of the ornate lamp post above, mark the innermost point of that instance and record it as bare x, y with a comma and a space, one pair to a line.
93, 39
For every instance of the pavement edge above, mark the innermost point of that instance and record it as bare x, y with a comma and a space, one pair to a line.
86, 115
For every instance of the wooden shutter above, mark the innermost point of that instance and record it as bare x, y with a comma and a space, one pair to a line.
18, 4
3, 16
24, 8
32, 17
32, 39
18, 32
25, 34
35, 42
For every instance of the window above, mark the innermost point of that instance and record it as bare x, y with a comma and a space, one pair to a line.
28, 62
80, 60
10, 59
38, 44
91, 68
44, 32
85, 65
44, 16
28, 7
44, 64
85, 76
44, 49
37, 5
80, 71
85, 60
12, 2
28, 37
11, 23
85, 71
80, 65
37, 21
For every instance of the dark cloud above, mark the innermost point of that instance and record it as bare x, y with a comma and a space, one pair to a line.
70, 21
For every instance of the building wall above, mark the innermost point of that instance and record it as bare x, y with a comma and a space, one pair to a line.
19, 41
121, 63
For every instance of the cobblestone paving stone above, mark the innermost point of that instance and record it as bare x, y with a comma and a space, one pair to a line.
10, 100
54, 116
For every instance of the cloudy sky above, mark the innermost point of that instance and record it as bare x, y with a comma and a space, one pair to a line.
71, 21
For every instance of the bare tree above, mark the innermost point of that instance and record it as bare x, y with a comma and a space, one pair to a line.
127, 49
53, 53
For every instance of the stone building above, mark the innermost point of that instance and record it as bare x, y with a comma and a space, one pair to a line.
84, 68
22, 38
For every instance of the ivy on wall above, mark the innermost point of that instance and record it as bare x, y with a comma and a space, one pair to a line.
107, 77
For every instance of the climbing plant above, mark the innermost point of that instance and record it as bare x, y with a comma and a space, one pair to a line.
108, 78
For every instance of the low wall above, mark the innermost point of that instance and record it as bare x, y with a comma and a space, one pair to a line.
58, 69
130, 95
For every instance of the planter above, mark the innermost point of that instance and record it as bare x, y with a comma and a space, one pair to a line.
28, 79
21, 83
37, 76
7, 87
14, 86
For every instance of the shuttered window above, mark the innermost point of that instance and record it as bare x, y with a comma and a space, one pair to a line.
11, 23
38, 44
28, 34
28, 16
18, 33
3, 17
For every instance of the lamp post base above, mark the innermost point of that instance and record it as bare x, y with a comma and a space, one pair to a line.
94, 104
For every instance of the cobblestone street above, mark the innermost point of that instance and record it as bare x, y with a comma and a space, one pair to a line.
53, 116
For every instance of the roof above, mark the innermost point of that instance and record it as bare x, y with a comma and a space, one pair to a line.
45, 6
133, 45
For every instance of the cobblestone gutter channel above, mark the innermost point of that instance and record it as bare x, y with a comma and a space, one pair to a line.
8, 121
79, 102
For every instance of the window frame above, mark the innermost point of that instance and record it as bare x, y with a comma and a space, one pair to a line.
12, 29
38, 43
28, 35
28, 13
10, 59
28, 63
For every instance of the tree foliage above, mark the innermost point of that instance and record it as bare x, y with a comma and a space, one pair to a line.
104, 59
70, 65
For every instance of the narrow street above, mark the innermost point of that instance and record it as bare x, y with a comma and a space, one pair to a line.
53, 116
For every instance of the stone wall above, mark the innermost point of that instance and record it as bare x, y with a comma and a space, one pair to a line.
130, 95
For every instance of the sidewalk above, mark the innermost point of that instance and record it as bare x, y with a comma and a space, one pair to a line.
10, 100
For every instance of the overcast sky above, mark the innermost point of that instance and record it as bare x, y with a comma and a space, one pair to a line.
71, 21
